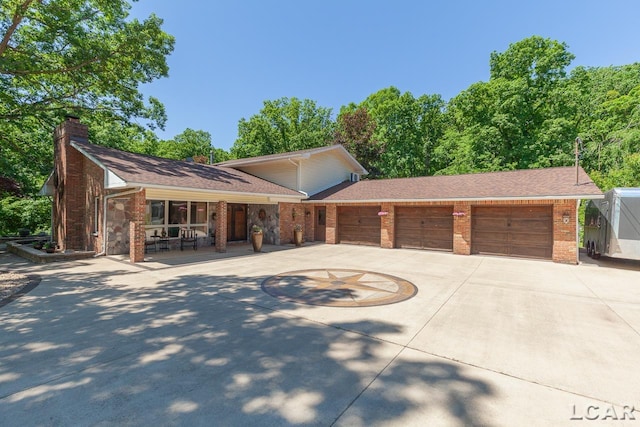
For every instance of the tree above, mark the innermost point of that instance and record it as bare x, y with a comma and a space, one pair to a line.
81, 57
522, 117
75, 55
188, 144
608, 122
72, 56
354, 131
408, 128
284, 125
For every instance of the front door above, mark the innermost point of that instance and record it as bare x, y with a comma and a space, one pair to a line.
236, 222
321, 224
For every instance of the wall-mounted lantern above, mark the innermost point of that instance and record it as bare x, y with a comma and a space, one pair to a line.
566, 216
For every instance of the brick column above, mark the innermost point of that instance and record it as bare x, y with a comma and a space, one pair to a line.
332, 223
221, 226
309, 223
387, 227
462, 228
136, 227
565, 245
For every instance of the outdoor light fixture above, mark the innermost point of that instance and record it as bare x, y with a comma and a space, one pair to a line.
566, 217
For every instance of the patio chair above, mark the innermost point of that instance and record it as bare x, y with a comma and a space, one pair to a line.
189, 237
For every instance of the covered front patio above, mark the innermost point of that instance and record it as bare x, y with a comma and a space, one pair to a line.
158, 219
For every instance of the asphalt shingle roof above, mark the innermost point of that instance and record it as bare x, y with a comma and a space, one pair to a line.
556, 182
142, 169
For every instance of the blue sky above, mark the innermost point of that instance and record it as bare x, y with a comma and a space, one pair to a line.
231, 56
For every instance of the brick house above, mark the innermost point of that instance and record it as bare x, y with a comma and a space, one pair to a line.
111, 202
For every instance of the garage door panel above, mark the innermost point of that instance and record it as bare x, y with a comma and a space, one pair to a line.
491, 211
530, 212
542, 225
530, 251
491, 223
442, 242
359, 225
515, 230
424, 227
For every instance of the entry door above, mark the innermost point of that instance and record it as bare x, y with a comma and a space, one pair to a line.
236, 222
321, 224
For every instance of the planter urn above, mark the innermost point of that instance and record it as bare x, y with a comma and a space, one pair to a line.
297, 237
256, 241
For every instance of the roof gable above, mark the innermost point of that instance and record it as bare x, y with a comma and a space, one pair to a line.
336, 149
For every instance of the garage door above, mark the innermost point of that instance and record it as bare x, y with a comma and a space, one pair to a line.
424, 227
359, 225
513, 231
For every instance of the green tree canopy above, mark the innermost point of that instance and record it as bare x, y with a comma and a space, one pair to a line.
285, 124
84, 57
354, 131
408, 128
521, 118
76, 55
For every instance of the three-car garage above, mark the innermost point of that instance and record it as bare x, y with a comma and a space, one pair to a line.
521, 231
530, 213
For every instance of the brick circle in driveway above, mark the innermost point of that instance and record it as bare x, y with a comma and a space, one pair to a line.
336, 287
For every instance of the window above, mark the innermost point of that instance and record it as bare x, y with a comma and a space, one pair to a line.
177, 212
154, 214
96, 213
198, 212
171, 215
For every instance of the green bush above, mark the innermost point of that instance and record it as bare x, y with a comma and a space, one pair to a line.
23, 212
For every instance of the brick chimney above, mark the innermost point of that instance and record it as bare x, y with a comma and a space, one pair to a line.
69, 199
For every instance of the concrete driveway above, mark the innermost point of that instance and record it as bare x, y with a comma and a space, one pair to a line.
194, 341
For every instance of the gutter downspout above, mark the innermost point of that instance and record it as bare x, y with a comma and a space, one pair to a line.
297, 165
578, 231
104, 217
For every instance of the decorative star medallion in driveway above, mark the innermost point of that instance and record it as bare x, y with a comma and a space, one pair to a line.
339, 288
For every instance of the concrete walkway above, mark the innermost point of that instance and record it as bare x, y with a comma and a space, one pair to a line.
195, 341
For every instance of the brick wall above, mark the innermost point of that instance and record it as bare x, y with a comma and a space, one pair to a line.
221, 226
290, 215
309, 223
69, 207
137, 235
462, 228
332, 223
564, 235
388, 226
565, 246
93, 233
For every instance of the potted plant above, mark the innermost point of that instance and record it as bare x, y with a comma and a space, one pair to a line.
37, 245
256, 238
297, 235
49, 247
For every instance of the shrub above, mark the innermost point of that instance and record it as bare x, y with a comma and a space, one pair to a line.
24, 213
